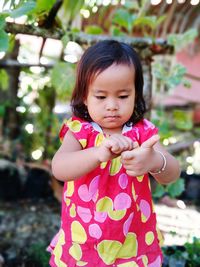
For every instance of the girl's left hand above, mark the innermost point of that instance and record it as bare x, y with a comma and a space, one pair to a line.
141, 159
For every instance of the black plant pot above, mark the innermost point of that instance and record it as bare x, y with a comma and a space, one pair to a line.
192, 187
173, 256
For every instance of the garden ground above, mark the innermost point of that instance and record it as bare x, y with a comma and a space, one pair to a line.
26, 224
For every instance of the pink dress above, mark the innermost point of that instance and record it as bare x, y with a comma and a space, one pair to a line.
107, 216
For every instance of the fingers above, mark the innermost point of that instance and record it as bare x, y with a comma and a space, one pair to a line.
118, 143
127, 155
123, 145
151, 141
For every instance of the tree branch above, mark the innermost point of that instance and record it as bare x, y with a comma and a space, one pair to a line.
52, 14
33, 30
10, 63
87, 39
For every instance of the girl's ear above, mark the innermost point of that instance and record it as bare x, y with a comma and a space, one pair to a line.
85, 102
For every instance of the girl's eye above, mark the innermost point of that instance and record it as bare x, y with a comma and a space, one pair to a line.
123, 96
100, 97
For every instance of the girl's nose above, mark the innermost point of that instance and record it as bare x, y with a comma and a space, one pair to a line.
112, 104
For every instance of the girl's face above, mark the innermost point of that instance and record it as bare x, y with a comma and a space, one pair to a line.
111, 97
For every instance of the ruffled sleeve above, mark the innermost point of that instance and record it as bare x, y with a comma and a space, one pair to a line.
145, 129
80, 129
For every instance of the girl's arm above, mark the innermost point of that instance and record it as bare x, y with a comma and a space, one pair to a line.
146, 158
71, 161
172, 170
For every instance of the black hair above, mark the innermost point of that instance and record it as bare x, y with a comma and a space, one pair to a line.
96, 59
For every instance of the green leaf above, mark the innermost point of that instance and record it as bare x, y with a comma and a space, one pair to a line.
179, 41
170, 78
176, 188
4, 79
44, 5
24, 9
65, 39
63, 79
68, 11
124, 19
187, 83
159, 191
93, 29
4, 44
160, 20
2, 21
146, 21
75, 30
2, 110
115, 31
149, 21
182, 119
73, 7
174, 80
11, 43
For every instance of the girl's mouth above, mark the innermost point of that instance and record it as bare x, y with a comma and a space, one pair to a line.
112, 118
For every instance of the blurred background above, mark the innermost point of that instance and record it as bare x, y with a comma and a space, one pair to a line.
40, 44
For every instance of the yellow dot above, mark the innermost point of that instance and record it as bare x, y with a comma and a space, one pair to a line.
104, 204
149, 183
133, 192
75, 251
128, 264
149, 237
160, 236
145, 260
67, 201
58, 250
78, 233
115, 166
153, 208
116, 215
74, 126
99, 139
107, 250
72, 211
129, 248
143, 218
83, 142
81, 263
140, 178
103, 165
70, 188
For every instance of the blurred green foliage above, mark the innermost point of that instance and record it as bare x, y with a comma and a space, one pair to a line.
185, 256
37, 255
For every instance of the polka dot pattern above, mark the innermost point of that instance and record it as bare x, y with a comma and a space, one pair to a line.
107, 216
149, 238
75, 251
95, 231
115, 166
128, 264
78, 233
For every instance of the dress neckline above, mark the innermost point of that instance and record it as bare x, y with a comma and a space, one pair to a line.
98, 128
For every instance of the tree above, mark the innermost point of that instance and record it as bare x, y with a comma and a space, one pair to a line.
62, 20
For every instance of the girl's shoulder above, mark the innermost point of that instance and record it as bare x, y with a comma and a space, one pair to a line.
79, 127
144, 125
143, 130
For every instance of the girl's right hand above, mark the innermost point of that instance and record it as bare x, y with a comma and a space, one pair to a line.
113, 146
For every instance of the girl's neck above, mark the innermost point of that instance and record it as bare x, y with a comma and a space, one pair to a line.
107, 131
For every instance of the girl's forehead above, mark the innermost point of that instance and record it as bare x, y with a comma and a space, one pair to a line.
114, 69
115, 80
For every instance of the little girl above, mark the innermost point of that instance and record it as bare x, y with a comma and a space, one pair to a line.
107, 151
